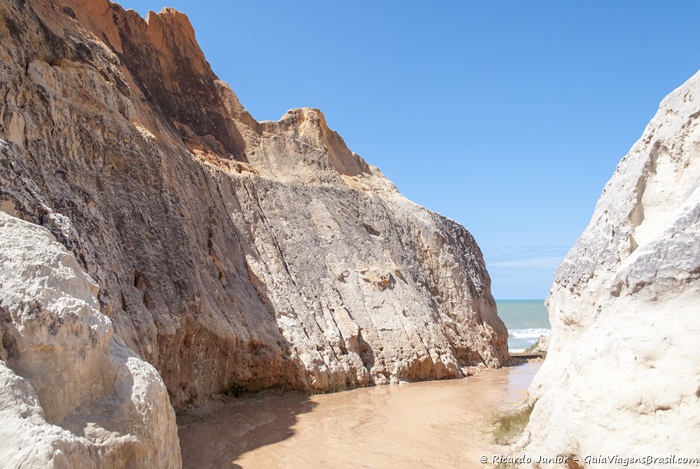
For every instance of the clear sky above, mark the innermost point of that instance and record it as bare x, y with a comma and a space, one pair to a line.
506, 116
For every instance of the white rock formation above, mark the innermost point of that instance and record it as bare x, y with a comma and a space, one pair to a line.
622, 376
71, 393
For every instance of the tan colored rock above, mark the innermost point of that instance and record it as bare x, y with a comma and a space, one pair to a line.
230, 254
71, 393
622, 377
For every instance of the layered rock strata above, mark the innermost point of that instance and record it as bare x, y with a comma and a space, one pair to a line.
622, 377
231, 254
71, 393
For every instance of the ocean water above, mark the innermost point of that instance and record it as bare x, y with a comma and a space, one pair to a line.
526, 320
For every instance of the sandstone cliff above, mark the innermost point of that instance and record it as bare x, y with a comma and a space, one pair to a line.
230, 254
622, 375
71, 393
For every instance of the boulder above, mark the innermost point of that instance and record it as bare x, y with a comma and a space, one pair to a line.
71, 393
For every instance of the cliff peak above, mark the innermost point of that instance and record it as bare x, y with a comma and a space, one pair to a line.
170, 31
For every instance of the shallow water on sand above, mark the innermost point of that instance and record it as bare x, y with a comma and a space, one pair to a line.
437, 424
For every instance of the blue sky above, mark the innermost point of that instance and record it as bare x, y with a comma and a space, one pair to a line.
508, 116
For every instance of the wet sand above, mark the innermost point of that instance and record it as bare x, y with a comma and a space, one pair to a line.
437, 424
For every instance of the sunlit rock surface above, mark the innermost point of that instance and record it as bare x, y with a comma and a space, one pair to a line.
231, 254
71, 393
622, 375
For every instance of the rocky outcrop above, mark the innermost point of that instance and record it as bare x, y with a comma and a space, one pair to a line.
230, 254
71, 393
622, 376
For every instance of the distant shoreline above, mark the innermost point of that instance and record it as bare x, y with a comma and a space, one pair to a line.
526, 320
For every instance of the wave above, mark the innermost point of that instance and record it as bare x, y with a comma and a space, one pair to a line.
528, 333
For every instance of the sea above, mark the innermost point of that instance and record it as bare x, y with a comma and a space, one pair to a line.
526, 320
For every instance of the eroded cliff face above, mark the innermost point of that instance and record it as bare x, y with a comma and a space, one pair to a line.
231, 254
71, 393
622, 376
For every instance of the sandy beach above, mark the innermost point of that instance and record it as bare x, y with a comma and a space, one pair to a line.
438, 424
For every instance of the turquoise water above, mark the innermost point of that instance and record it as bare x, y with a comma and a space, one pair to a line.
526, 320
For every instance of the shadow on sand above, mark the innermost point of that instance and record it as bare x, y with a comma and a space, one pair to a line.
217, 434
